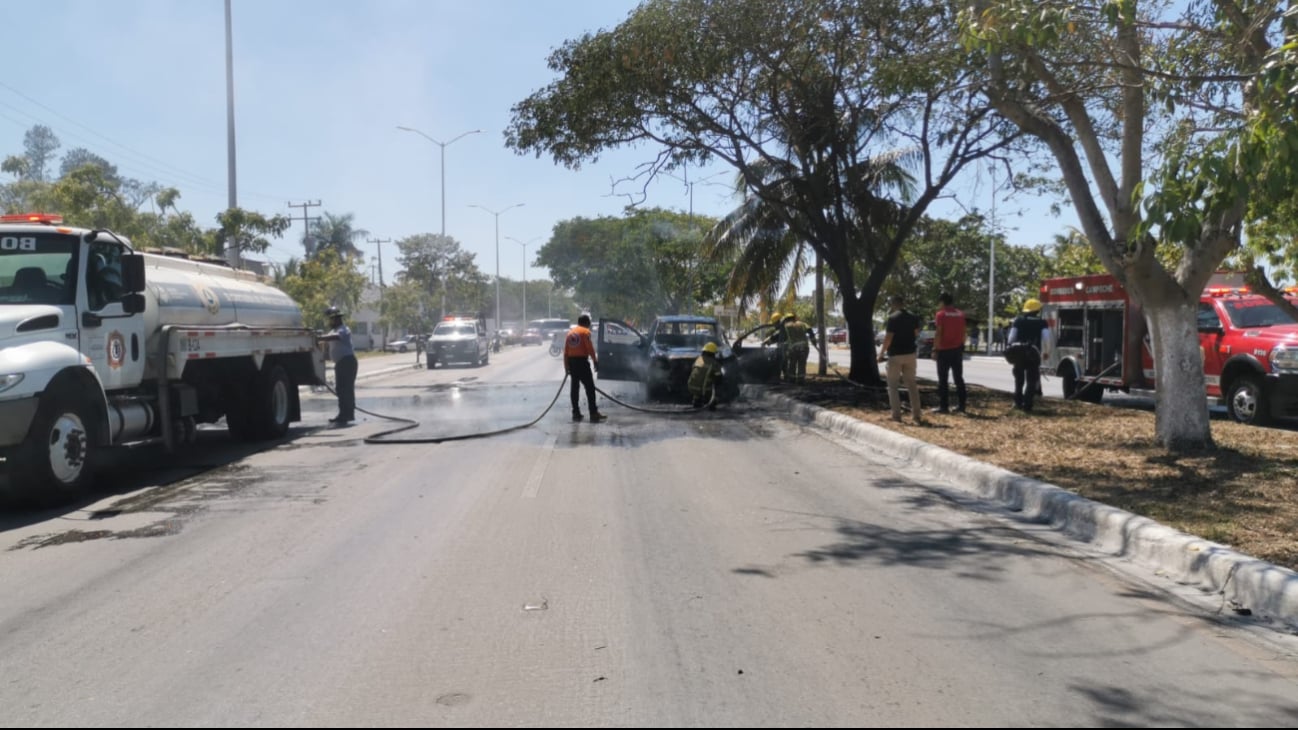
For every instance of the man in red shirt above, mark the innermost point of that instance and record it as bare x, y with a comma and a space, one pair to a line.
948, 350
576, 348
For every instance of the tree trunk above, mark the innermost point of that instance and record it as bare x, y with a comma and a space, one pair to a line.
860, 338
1181, 414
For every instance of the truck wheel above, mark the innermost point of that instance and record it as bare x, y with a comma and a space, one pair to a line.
56, 462
272, 404
1069, 377
1247, 401
486, 357
1092, 394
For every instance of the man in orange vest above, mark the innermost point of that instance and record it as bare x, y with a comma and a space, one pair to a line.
576, 348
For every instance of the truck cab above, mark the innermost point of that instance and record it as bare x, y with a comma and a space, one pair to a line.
1248, 344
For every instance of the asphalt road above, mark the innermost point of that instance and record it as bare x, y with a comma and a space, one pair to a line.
723, 568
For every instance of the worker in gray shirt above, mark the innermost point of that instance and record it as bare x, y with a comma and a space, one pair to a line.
344, 357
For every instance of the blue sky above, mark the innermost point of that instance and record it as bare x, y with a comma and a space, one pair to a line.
320, 88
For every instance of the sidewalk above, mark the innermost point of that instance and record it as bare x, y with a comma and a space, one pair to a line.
1242, 583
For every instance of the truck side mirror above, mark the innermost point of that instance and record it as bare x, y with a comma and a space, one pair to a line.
133, 303
133, 274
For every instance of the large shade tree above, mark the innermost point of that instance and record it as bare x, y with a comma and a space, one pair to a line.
817, 88
646, 263
445, 271
1151, 111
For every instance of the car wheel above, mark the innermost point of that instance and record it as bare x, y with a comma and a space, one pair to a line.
1247, 401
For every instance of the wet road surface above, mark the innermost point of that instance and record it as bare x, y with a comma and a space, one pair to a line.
723, 568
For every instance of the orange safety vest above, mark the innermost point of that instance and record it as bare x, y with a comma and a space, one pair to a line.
577, 343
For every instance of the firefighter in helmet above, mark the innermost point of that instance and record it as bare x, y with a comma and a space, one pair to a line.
704, 377
780, 339
1029, 336
800, 338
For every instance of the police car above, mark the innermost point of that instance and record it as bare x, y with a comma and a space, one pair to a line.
459, 339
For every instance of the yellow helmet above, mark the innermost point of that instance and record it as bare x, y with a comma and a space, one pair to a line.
776, 318
1032, 305
710, 348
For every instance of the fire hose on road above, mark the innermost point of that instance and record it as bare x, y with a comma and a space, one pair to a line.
383, 436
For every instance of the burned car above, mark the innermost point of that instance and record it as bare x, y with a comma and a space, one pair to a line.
662, 358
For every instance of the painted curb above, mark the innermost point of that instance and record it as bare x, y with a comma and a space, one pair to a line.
1267, 589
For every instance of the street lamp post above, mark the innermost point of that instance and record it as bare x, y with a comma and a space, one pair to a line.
497, 213
524, 244
443, 146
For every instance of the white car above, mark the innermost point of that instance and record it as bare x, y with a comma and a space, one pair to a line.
402, 345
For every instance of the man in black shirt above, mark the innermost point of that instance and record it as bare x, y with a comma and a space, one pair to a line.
900, 344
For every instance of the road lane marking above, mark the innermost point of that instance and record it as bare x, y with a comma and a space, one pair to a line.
538, 469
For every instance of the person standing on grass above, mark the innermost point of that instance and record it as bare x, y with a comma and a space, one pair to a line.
900, 348
948, 351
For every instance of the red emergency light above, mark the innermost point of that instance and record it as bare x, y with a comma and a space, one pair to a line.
47, 218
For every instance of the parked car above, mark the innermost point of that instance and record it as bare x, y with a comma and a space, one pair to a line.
402, 345
662, 358
837, 335
926, 338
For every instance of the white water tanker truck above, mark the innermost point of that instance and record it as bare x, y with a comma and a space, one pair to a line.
103, 346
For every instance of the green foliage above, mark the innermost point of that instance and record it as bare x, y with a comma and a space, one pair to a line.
406, 306
647, 263
335, 232
39, 145
246, 230
440, 267
327, 279
952, 256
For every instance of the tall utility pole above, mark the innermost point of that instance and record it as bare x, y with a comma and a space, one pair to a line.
380, 242
991, 270
443, 145
524, 244
232, 253
497, 213
306, 220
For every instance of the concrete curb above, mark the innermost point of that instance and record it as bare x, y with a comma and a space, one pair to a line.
1265, 588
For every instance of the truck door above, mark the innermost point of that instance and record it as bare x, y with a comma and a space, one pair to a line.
113, 340
1211, 334
622, 351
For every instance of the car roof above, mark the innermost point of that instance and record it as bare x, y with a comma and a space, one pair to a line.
687, 318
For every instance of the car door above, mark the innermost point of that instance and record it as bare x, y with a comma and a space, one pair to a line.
757, 363
621, 349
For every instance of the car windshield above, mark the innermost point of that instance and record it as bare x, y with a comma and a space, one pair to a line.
454, 329
692, 335
38, 269
1256, 312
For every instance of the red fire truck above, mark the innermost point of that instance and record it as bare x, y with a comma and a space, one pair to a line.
1101, 341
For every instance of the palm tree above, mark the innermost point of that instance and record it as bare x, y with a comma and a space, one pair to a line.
292, 267
335, 232
761, 243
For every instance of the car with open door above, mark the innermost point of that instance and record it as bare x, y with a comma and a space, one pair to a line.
662, 357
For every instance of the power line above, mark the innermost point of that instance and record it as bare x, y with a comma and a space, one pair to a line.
160, 166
